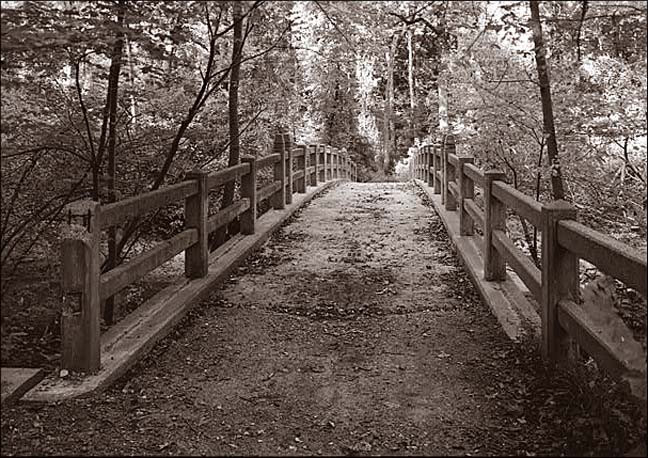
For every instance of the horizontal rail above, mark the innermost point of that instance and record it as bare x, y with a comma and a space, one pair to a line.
267, 160
227, 214
268, 190
226, 175
522, 265
453, 159
522, 204
619, 360
454, 189
310, 169
299, 151
476, 213
116, 279
297, 175
475, 174
117, 212
609, 255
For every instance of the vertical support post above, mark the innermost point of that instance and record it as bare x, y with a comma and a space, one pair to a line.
436, 159
415, 156
196, 208
430, 155
80, 271
278, 199
448, 173
495, 219
320, 164
248, 190
327, 163
301, 166
559, 279
315, 163
289, 167
428, 163
466, 191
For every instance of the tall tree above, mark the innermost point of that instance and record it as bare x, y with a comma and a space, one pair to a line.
547, 105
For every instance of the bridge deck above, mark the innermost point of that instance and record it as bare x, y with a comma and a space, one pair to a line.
354, 330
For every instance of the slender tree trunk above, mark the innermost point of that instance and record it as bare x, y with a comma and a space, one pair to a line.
410, 81
234, 149
113, 87
547, 105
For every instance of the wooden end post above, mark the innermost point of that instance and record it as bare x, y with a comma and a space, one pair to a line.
436, 160
196, 208
278, 199
560, 279
466, 191
248, 190
448, 174
495, 218
289, 168
80, 271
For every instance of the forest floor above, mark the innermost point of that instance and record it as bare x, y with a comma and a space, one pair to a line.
353, 331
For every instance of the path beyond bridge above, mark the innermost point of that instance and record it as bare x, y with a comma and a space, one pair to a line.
354, 330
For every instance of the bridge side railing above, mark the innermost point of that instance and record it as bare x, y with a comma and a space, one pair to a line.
555, 285
83, 284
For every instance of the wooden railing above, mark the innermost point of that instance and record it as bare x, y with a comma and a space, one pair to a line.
555, 285
84, 286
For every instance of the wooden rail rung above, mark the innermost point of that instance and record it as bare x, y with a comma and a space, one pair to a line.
606, 253
519, 202
227, 214
117, 212
116, 279
267, 160
522, 265
268, 190
297, 175
613, 356
221, 177
453, 159
476, 213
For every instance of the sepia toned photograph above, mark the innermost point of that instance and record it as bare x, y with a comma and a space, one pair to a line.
323, 228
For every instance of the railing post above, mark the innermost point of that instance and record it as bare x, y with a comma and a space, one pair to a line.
560, 279
301, 166
196, 208
448, 173
248, 190
430, 156
436, 159
80, 271
327, 162
313, 163
466, 191
289, 167
416, 170
320, 162
495, 218
278, 199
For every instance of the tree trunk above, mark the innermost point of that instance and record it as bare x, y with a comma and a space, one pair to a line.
234, 149
113, 86
410, 81
547, 105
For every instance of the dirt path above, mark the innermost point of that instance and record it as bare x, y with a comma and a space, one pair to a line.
353, 331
